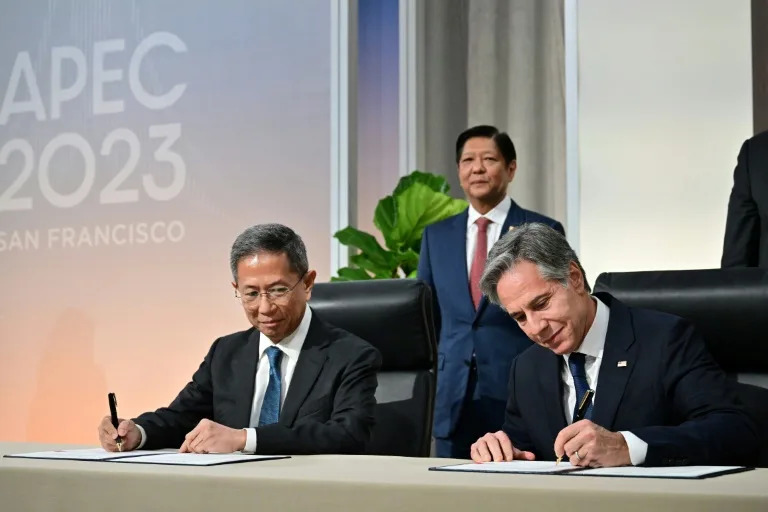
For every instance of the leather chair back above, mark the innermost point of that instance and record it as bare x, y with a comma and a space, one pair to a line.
396, 317
729, 307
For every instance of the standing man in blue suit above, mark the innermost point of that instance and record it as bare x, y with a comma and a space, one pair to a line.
477, 340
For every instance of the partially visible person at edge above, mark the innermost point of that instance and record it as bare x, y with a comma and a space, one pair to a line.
746, 228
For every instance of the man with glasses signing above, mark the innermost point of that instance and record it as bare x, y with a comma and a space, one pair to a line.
292, 384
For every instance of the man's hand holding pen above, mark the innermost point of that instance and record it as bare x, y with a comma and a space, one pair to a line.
126, 429
587, 444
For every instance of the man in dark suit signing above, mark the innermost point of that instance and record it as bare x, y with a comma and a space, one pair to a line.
291, 384
478, 341
746, 228
643, 382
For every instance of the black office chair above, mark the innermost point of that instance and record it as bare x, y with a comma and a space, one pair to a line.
729, 307
396, 317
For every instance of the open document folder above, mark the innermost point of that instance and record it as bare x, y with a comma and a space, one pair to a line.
197, 459
515, 466
170, 457
565, 468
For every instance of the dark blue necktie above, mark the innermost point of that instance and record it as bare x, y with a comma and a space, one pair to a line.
576, 364
270, 408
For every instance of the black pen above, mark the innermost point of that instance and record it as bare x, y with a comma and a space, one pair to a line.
580, 412
583, 405
113, 412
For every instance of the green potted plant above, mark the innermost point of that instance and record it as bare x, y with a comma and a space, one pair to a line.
420, 199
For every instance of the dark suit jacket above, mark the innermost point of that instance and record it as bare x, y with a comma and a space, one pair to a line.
489, 332
328, 408
746, 228
671, 394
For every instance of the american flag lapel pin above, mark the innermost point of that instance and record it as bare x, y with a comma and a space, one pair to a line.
622, 364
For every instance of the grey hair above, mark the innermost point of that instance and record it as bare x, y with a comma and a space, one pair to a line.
269, 238
537, 243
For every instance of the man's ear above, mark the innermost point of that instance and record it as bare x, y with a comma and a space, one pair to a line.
575, 277
511, 169
234, 285
309, 282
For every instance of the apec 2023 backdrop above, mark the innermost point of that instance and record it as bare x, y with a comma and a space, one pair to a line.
137, 139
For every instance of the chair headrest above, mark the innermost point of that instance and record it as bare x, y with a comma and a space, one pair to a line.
729, 307
393, 315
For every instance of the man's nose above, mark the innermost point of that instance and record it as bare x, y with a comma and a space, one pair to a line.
263, 304
536, 324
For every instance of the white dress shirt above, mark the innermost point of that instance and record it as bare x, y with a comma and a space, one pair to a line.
497, 216
291, 348
592, 348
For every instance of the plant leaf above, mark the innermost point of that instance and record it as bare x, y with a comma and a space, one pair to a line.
368, 244
385, 218
386, 214
433, 181
408, 260
378, 271
353, 274
418, 200
417, 207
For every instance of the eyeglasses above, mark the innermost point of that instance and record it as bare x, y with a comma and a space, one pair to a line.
272, 295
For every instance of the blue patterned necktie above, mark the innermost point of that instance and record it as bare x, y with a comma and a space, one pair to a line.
270, 408
576, 364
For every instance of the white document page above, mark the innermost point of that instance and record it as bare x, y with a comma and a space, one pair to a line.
84, 454
661, 472
515, 466
198, 459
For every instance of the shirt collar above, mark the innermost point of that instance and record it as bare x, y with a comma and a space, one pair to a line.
594, 341
498, 214
291, 344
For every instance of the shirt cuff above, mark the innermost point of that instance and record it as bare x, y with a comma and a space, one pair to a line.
143, 436
638, 449
250, 440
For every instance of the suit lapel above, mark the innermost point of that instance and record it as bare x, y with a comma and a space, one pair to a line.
515, 217
311, 360
617, 363
550, 385
244, 374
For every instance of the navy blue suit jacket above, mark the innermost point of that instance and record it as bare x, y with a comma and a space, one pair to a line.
671, 394
328, 408
746, 228
489, 332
